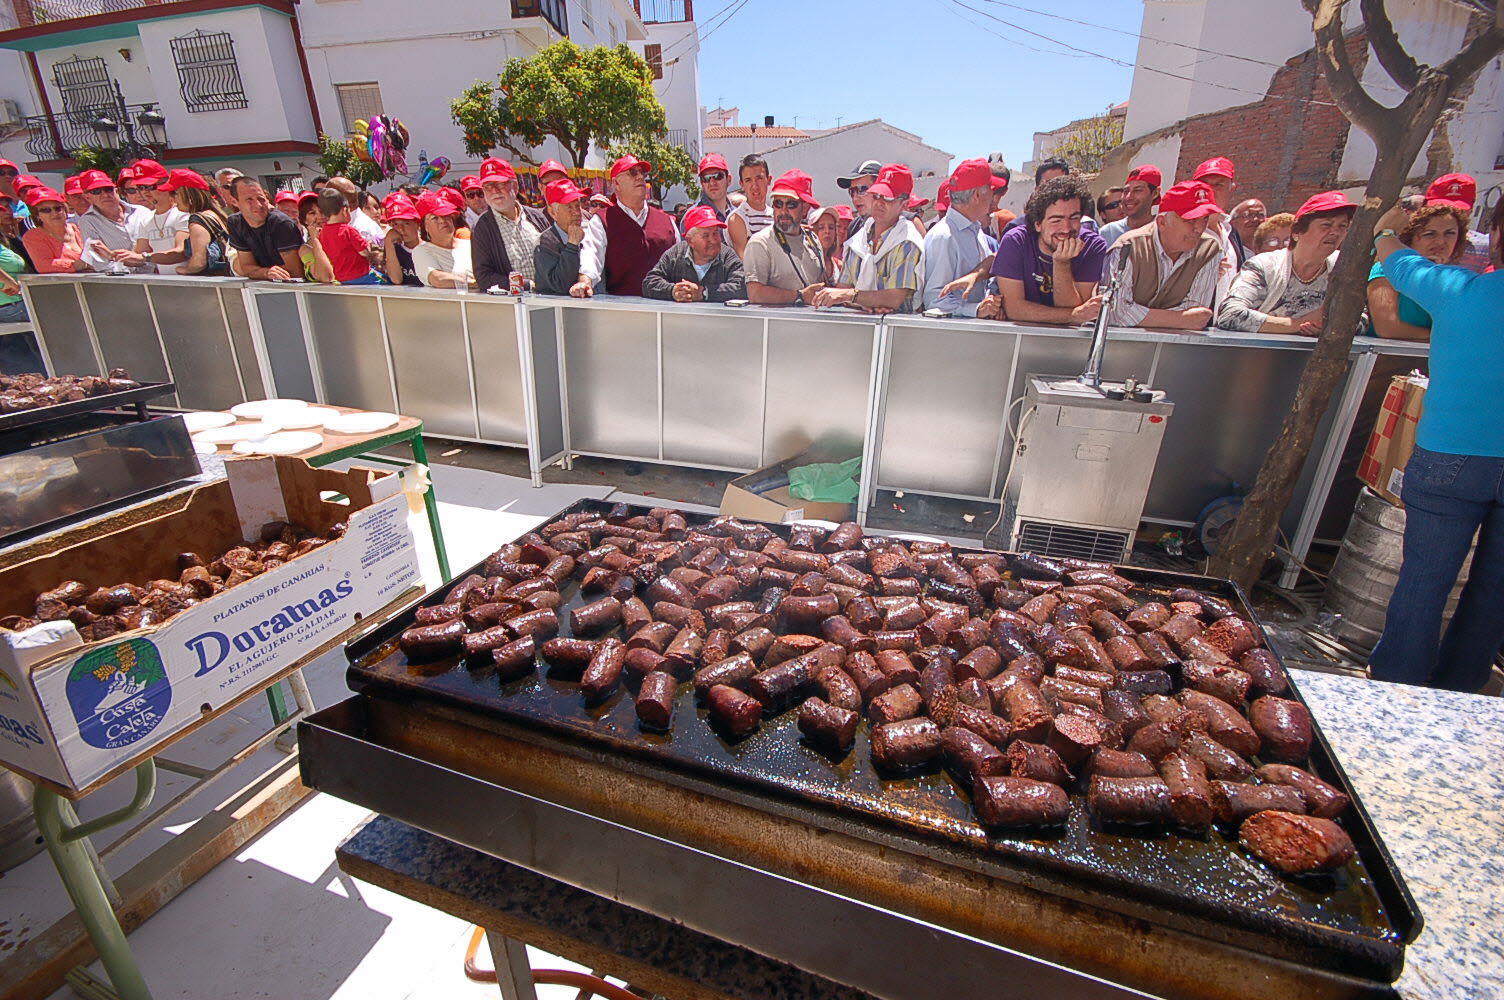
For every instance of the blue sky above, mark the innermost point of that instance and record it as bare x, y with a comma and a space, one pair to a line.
931, 67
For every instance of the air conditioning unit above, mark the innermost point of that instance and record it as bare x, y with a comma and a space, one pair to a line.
10, 112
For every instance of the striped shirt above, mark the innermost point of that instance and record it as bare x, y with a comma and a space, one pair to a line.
754, 220
520, 238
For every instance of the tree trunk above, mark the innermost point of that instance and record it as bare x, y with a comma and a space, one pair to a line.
1251, 538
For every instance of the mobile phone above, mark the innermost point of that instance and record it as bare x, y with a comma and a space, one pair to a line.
735, 303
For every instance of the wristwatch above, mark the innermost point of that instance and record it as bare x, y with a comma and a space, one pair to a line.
1383, 233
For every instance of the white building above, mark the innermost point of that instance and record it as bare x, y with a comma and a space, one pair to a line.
826, 154
253, 82
1223, 77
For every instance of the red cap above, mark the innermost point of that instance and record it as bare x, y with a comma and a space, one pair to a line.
712, 161
192, 179
307, 196
494, 168
399, 206
627, 163
1217, 166
561, 192
797, 183
917, 202
95, 180
125, 174
430, 203
42, 193
701, 215
286, 194
149, 172
552, 167
1454, 190
453, 197
970, 174
72, 185
1189, 200
1326, 201
604, 201
1148, 173
845, 212
7, 163
893, 181
25, 181
469, 182
942, 198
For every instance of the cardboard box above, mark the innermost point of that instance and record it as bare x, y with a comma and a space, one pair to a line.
763, 495
1393, 439
73, 714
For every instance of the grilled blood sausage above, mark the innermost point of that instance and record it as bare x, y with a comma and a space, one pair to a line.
969, 756
1121, 764
827, 725
1268, 676
1011, 802
1233, 801
1296, 844
432, 642
1321, 799
515, 659
595, 617
1284, 726
1133, 801
1037, 761
603, 673
735, 711
1190, 792
905, 744
655, 699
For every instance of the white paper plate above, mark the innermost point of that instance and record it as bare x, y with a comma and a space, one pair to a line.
307, 417
365, 422
283, 443
203, 420
237, 432
204, 448
258, 408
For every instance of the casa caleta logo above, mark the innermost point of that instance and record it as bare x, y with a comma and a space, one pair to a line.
119, 693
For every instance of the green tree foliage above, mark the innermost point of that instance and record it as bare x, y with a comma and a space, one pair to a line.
98, 158
577, 96
1090, 141
337, 159
671, 164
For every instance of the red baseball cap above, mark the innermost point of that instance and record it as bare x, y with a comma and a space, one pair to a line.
970, 174
552, 167
149, 172
453, 197
562, 192
494, 168
469, 182
628, 162
193, 179
712, 161
1326, 201
7, 163
1189, 200
1217, 166
286, 194
845, 212
1454, 190
307, 196
41, 193
942, 198
95, 180
701, 215
1148, 173
25, 181
399, 206
72, 185
601, 200
125, 174
916, 202
431, 203
797, 183
893, 181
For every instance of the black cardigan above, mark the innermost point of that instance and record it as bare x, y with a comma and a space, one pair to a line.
488, 251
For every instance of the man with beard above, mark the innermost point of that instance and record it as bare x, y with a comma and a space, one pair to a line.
1047, 269
883, 269
506, 235
783, 263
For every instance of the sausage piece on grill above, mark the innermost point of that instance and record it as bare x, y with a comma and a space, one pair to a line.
1190, 792
655, 699
905, 744
603, 673
1233, 802
1296, 844
1322, 799
1037, 761
1284, 726
432, 642
1133, 801
969, 756
735, 711
827, 725
1011, 802
1121, 764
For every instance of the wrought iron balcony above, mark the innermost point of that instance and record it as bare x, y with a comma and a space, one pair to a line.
34, 12
552, 11
57, 137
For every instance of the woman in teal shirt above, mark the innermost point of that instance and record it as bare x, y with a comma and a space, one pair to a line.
12, 306
1454, 481
1439, 234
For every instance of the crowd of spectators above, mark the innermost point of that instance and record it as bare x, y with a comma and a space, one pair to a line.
1187, 256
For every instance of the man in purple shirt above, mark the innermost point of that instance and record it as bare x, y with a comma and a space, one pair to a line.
1047, 269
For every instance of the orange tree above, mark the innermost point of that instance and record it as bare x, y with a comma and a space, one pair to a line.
600, 95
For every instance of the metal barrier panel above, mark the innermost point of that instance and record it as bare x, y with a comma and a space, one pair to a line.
346, 333
496, 361
195, 338
120, 315
712, 379
232, 303
611, 375
547, 373
285, 353
819, 376
431, 361
61, 327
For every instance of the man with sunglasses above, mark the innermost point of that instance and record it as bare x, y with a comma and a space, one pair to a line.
110, 224
715, 183
475, 200
857, 183
625, 240
1110, 206
883, 269
783, 262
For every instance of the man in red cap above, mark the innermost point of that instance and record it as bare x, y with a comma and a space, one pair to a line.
1284, 291
552, 170
699, 268
287, 203
78, 202
623, 242
1169, 270
784, 263
475, 199
1140, 194
1461, 191
956, 245
8, 174
883, 267
556, 259
109, 225
161, 233
715, 183
507, 233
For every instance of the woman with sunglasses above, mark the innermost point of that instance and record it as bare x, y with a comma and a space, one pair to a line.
56, 246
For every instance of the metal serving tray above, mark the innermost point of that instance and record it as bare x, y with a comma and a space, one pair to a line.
136, 397
1353, 922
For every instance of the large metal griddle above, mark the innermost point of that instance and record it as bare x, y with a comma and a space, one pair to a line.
1349, 926
135, 398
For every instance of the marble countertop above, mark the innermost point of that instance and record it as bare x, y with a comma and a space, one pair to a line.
1426, 765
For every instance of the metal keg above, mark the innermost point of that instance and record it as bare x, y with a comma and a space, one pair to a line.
19, 837
1367, 566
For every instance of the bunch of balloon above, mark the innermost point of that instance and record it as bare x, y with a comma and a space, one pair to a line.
382, 142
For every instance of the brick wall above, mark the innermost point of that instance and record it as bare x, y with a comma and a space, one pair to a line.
1287, 146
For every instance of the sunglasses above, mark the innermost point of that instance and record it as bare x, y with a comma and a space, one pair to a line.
1111, 206
48, 209
859, 189
7, 172
714, 175
787, 204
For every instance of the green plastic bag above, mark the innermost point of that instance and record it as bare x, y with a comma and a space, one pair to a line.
825, 482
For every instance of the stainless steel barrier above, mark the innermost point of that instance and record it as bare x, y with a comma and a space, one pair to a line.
931, 402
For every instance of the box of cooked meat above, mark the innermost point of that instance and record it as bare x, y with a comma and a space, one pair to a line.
120, 642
